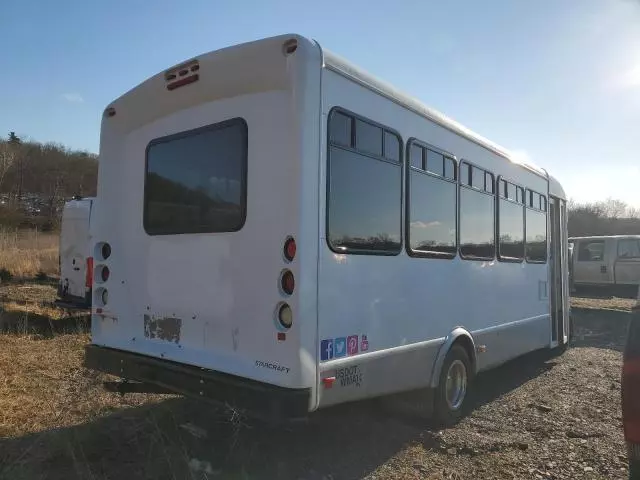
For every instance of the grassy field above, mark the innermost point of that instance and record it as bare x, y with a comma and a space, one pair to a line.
540, 416
28, 253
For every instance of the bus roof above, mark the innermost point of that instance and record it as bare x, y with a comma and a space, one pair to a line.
344, 67
249, 51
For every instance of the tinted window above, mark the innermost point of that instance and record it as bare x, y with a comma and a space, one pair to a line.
477, 178
391, 146
450, 168
340, 129
196, 181
435, 162
432, 214
364, 196
489, 183
536, 243
415, 154
368, 138
465, 172
476, 224
590, 251
510, 230
628, 248
504, 189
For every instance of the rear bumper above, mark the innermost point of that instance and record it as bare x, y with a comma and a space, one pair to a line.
257, 399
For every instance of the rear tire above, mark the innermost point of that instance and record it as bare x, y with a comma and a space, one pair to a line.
453, 387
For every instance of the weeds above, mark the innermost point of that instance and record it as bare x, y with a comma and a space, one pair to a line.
5, 275
27, 253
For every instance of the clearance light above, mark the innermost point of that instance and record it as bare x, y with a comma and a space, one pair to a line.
328, 382
182, 82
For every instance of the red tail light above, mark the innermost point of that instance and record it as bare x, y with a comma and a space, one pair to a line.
290, 249
89, 276
287, 282
104, 273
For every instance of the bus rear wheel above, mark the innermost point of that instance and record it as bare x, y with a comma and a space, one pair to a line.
453, 386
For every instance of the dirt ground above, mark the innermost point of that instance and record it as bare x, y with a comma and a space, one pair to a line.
538, 417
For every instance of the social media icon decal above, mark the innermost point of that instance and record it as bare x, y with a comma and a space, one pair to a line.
352, 345
364, 344
340, 346
326, 349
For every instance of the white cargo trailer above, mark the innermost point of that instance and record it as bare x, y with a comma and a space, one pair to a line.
74, 287
281, 231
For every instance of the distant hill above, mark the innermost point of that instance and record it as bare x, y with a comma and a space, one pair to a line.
36, 179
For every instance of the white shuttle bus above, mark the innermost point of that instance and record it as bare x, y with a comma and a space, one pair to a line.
281, 231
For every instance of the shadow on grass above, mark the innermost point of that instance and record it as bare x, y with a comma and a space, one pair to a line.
349, 441
40, 322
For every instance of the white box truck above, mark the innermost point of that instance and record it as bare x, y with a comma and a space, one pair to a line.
76, 262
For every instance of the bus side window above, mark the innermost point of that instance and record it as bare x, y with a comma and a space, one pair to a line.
431, 203
536, 228
364, 187
511, 214
477, 214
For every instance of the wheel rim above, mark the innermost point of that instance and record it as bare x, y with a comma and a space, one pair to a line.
456, 385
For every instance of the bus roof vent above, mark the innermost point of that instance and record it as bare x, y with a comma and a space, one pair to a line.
182, 75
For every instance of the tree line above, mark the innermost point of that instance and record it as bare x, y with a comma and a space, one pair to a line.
609, 217
37, 178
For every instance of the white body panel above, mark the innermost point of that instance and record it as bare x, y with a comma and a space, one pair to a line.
75, 248
408, 306
223, 287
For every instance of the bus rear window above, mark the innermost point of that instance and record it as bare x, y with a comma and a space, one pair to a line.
196, 181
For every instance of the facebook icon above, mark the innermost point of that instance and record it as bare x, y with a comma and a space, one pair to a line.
326, 349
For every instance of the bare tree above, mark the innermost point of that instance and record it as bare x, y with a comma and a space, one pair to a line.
8, 157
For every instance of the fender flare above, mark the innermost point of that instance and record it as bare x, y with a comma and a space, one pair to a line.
444, 349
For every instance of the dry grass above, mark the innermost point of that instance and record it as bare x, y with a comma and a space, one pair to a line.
57, 422
603, 303
27, 253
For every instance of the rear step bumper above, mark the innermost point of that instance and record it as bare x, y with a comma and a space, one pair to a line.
257, 399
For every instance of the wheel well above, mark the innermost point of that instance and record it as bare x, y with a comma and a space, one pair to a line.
466, 343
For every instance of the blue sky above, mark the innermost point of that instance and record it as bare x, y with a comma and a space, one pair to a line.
556, 81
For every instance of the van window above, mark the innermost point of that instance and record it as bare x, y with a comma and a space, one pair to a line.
629, 248
196, 181
590, 251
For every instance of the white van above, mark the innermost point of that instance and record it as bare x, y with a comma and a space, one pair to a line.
281, 231
610, 264
76, 262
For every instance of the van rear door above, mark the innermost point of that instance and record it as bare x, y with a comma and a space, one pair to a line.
74, 250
